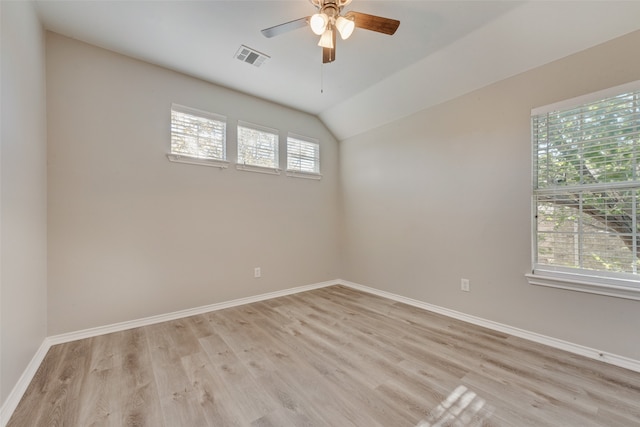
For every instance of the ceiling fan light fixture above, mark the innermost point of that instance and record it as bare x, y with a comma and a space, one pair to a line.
326, 40
318, 23
328, 20
345, 27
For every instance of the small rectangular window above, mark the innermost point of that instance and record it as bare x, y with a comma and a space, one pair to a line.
197, 135
303, 155
257, 147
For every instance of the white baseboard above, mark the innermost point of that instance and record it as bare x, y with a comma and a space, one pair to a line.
592, 353
21, 386
11, 403
123, 326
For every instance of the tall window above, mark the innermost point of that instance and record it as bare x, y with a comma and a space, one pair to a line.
197, 134
303, 154
586, 188
257, 146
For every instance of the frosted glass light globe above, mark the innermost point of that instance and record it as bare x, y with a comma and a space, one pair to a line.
318, 23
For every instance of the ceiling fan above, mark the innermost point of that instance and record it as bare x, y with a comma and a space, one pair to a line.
328, 19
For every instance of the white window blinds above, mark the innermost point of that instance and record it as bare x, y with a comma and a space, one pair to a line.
586, 183
303, 154
257, 145
197, 134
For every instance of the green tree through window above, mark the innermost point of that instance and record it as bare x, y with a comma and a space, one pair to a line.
586, 184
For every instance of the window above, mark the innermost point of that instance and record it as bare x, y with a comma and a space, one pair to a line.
257, 148
303, 156
586, 188
197, 136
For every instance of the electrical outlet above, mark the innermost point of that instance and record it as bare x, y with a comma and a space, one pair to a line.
464, 285
256, 272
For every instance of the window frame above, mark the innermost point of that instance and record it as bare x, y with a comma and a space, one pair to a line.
195, 160
273, 170
299, 173
601, 282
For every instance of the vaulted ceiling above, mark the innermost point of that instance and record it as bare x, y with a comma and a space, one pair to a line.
441, 50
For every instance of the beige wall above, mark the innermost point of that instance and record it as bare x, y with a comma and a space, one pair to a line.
23, 197
445, 194
133, 235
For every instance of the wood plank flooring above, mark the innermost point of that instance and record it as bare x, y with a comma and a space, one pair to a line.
328, 357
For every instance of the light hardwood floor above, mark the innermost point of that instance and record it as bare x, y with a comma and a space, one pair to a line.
329, 357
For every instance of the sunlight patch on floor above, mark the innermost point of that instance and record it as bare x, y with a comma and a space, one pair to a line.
461, 408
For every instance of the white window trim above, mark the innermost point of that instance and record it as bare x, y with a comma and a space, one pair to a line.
258, 169
180, 158
307, 175
611, 285
589, 284
588, 98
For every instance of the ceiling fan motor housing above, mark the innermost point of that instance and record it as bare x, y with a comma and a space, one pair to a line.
338, 3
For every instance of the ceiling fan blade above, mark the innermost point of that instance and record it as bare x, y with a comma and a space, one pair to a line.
374, 23
285, 28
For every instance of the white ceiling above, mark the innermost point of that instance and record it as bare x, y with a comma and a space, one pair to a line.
441, 50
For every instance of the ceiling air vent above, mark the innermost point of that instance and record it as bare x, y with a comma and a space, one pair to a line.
251, 56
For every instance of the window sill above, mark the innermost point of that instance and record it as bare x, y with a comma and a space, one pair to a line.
584, 284
258, 169
177, 158
306, 175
